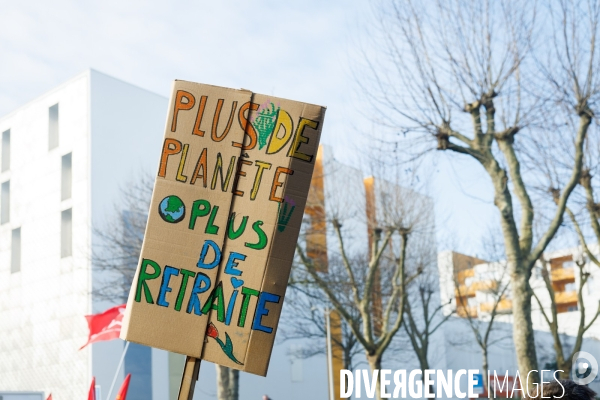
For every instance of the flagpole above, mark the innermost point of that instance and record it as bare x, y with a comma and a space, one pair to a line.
329, 355
117, 372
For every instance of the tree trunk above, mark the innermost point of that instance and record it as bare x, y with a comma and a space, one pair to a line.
484, 374
424, 364
520, 273
347, 363
523, 330
558, 349
565, 366
234, 383
375, 364
227, 383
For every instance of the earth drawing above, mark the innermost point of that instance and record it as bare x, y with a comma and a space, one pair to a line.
171, 209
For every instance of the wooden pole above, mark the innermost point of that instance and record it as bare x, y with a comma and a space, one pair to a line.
189, 378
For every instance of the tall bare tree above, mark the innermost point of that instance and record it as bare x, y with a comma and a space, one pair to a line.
304, 318
403, 220
512, 85
564, 351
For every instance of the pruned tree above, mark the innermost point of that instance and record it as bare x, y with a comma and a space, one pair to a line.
509, 84
589, 217
423, 316
483, 328
304, 318
489, 285
356, 272
304, 310
563, 349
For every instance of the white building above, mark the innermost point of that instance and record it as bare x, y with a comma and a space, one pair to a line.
566, 282
65, 157
477, 283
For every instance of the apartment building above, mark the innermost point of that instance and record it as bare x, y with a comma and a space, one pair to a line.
64, 156
479, 287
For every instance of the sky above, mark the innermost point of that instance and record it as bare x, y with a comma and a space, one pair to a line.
299, 50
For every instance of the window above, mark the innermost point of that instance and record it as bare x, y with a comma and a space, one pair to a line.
568, 264
15, 253
5, 151
53, 127
5, 203
65, 185
572, 308
570, 287
472, 302
66, 233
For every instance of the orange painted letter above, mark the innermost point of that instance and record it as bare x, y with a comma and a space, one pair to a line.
180, 105
215, 135
197, 130
247, 127
170, 147
276, 183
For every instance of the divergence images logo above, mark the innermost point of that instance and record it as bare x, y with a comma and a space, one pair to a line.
583, 362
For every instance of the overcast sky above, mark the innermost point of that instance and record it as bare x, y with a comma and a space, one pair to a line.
298, 50
295, 51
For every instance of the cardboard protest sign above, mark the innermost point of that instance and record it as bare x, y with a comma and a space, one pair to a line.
226, 211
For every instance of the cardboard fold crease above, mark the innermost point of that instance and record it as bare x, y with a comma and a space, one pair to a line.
219, 256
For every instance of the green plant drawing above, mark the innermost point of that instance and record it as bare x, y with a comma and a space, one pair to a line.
264, 123
284, 214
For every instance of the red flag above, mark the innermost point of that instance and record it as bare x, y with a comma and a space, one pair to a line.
122, 395
49, 397
106, 325
92, 394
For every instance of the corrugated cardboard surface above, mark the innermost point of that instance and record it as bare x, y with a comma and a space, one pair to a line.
258, 218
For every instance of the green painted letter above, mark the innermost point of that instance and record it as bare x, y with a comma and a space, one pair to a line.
144, 276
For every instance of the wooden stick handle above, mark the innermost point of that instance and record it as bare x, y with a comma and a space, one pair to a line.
189, 378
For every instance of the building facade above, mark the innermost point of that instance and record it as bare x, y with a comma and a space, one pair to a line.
473, 286
64, 157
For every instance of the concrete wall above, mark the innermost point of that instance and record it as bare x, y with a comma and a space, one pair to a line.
127, 126
42, 306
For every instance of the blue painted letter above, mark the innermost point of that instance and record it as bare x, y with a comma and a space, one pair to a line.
194, 303
204, 252
164, 286
261, 311
231, 263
